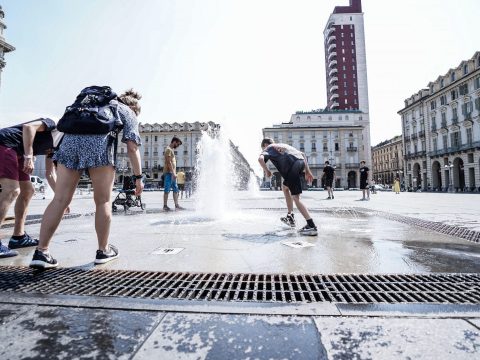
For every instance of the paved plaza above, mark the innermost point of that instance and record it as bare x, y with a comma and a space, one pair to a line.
388, 235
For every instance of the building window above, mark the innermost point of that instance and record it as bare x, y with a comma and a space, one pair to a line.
443, 100
353, 51
325, 148
477, 83
314, 146
146, 138
354, 84
454, 94
445, 143
345, 93
464, 89
343, 43
344, 84
346, 102
477, 104
156, 138
433, 105
146, 164
354, 76
442, 83
452, 77
353, 43
344, 76
353, 67
465, 69
355, 101
469, 136
434, 144
336, 147
344, 67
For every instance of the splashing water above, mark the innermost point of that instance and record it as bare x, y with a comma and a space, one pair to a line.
215, 176
253, 186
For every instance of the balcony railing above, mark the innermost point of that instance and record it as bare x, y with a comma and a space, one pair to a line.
444, 124
333, 88
352, 149
331, 47
457, 148
332, 63
334, 96
434, 127
455, 120
416, 154
332, 55
331, 38
468, 117
332, 80
407, 137
414, 136
421, 133
332, 71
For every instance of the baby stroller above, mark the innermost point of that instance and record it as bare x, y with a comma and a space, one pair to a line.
126, 196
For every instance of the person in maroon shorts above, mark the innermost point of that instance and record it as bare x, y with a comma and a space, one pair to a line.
18, 145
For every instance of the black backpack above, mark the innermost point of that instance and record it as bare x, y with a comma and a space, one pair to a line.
93, 112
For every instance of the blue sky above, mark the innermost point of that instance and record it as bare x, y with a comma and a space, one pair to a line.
245, 64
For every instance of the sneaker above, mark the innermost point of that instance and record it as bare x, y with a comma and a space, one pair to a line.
289, 220
5, 252
103, 257
308, 230
42, 261
178, 207
166, 208
328, 198
333, 197
25, 241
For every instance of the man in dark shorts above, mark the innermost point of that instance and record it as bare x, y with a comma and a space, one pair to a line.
18, 145
329, 175
290, 163
364, 171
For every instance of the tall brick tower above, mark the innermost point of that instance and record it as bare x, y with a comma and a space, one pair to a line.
4, 46
345, 59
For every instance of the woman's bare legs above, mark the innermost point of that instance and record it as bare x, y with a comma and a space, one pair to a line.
102, 181
67, 182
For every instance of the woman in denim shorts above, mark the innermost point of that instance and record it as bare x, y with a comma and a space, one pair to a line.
95, 154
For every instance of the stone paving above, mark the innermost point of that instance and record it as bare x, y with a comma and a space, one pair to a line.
352, 239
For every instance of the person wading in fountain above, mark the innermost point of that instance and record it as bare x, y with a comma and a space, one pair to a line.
290, 163
170, 172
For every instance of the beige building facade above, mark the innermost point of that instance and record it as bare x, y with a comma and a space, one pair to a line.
4, 46
441, 131
387, 161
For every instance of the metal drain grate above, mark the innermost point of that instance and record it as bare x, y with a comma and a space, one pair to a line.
361, 289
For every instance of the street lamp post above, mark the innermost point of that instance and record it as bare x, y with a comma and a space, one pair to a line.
449, 167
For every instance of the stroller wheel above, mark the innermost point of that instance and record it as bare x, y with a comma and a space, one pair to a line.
143, 206
114, 208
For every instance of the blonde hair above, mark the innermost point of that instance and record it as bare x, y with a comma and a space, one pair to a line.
130, 98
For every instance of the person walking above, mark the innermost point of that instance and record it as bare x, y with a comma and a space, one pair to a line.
396, 185
181, 182
170, 172
329, 177
18, 146
95, 153
290, 163
364, 172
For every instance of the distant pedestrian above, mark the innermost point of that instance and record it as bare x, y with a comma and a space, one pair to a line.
18, 146
290, 163
188, 184
181, 182
95, 153
372, 186
396, 185
329, 178
364, 172
170, 172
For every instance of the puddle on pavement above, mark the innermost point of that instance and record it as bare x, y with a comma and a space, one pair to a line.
348, 241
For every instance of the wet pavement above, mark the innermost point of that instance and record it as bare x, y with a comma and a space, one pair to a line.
249, 238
